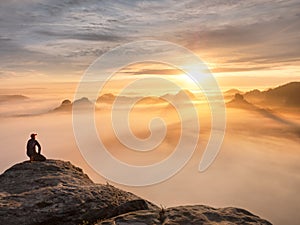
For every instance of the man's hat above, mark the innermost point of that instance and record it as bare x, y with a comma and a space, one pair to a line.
33, 135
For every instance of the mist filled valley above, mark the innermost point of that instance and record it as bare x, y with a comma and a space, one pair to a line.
257, 167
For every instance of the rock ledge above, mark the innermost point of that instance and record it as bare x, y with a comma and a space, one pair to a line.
55, 192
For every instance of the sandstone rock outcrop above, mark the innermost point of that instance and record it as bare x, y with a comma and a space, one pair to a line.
55, 192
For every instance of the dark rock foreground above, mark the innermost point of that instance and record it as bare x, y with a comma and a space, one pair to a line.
56, 192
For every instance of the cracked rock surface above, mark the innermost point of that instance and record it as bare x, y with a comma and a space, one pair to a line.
55, 192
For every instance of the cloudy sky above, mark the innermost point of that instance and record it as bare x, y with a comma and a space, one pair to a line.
56, 40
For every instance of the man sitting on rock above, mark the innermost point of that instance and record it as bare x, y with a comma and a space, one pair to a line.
31, 149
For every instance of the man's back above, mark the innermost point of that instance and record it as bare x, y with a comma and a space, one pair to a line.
31, 147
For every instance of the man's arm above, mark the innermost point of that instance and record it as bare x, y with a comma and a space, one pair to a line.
27, 146
39, 147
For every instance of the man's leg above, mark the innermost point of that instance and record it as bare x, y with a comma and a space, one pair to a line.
39, 157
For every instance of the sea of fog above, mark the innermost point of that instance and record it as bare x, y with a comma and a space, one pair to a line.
257, 167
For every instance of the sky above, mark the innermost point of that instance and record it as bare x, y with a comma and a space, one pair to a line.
241, 42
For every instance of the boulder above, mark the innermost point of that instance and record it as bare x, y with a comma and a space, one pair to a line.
56, 192
187, 215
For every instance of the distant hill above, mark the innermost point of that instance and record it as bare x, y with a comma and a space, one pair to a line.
233, 92
66, 105
239, 102
84, 101
229, 94
181, 95
7, 98
284, 95
109, 98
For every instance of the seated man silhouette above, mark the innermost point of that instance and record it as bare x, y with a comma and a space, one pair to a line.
31, 149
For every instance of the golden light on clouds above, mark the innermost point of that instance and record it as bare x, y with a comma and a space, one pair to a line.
151, 72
